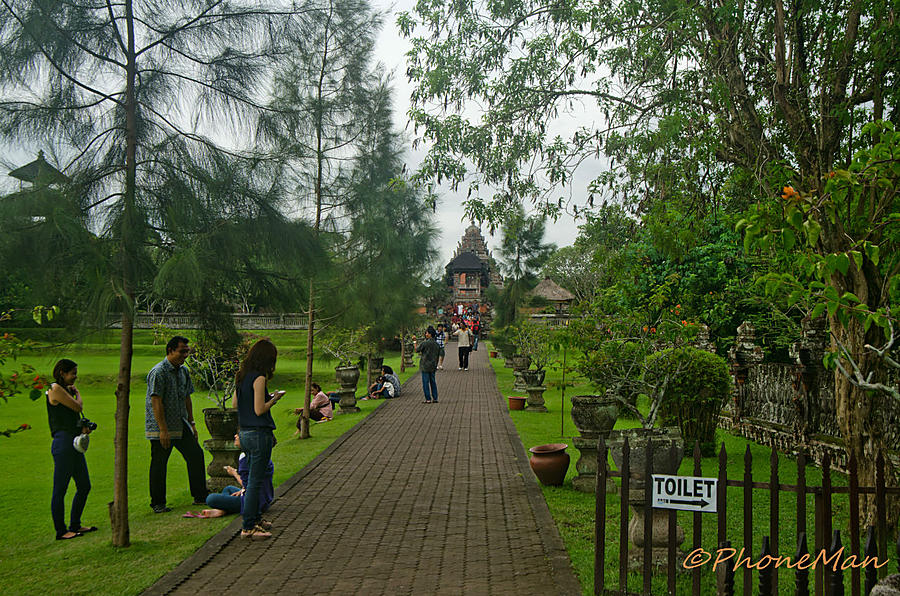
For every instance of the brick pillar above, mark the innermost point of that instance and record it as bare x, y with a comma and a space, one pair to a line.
744, 354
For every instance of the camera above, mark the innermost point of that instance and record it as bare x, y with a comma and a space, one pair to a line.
85, 423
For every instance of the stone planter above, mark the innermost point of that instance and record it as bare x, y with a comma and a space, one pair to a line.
222, 426
516, 402
520, 364
550, 463
533, 378
594, 417
348, 377
507, 362
668, 450
535, 398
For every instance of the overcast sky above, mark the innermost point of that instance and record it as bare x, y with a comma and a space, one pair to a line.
390, 50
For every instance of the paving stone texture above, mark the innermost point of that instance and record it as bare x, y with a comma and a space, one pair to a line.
416, 499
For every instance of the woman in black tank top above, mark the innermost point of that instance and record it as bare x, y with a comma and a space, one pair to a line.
64, 407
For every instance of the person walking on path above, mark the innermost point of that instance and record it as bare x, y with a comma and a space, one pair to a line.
428, 364
441, 339
170, 423
64, 408
254, 404
464, 337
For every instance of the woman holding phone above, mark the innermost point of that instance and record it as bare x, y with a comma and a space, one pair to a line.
254, 402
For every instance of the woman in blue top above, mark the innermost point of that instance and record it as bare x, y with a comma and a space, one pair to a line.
254, 402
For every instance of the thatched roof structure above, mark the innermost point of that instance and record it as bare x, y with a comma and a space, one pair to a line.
549, 290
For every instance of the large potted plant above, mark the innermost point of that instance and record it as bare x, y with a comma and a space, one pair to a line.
213, 368
346, 346
536, 342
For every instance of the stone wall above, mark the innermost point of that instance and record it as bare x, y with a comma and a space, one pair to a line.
789, 406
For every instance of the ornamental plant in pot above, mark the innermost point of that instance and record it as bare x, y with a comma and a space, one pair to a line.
346, 346
537, 342
213, 367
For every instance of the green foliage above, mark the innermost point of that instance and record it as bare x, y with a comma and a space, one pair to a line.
693, 398
25, 378
536, 341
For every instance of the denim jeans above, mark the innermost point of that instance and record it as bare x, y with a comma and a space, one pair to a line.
190, 449
67, 464
475, 342
429, 386
257, 443
225, 500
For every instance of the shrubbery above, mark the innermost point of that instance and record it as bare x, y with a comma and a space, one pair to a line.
693, 397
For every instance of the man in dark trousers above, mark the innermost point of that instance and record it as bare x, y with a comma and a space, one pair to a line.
428, 364
170, 423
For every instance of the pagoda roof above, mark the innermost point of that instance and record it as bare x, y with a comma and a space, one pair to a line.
552, 291
466, 261
39, 172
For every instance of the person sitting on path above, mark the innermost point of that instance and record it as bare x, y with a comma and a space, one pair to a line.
231, 499
464, 337
428, 364
320, 408
64, 406
389, 374
385, 388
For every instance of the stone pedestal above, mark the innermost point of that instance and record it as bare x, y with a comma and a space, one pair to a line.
586, 466
535, 399
659, 536
668, 450
348, 377
224, 453
348, 401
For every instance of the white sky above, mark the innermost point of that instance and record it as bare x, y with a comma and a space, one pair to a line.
390, 49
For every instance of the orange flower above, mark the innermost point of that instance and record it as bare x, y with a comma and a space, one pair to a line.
788, 193
684, 322
645, 328
653, 330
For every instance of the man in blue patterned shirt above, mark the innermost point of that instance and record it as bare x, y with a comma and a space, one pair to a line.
170, 423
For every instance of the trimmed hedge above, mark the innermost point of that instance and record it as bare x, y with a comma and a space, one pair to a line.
694, 396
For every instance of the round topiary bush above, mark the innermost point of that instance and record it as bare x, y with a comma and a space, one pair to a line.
697, 383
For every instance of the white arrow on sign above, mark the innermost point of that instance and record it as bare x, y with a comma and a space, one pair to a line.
685, 493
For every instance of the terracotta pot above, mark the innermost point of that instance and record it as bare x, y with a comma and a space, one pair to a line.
493, 354
516, 402
550, 463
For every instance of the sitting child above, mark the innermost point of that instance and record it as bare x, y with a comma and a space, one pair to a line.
385, 388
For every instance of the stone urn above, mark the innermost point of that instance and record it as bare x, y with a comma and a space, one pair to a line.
520, 364
222, 425
533, 377
668, 451
535, 398
348, 377
550, 463
594, 417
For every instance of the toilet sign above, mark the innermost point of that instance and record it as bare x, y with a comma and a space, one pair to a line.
686, 493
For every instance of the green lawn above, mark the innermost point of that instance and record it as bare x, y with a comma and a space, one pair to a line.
90, 565
573, 511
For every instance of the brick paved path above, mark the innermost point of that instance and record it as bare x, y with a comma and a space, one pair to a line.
423, 499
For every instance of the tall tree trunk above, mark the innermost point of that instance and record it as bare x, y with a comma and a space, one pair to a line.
118, 510
856, 410
310, 331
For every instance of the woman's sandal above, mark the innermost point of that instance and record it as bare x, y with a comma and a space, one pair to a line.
265, 524
85, 530
256, 533
73, 535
